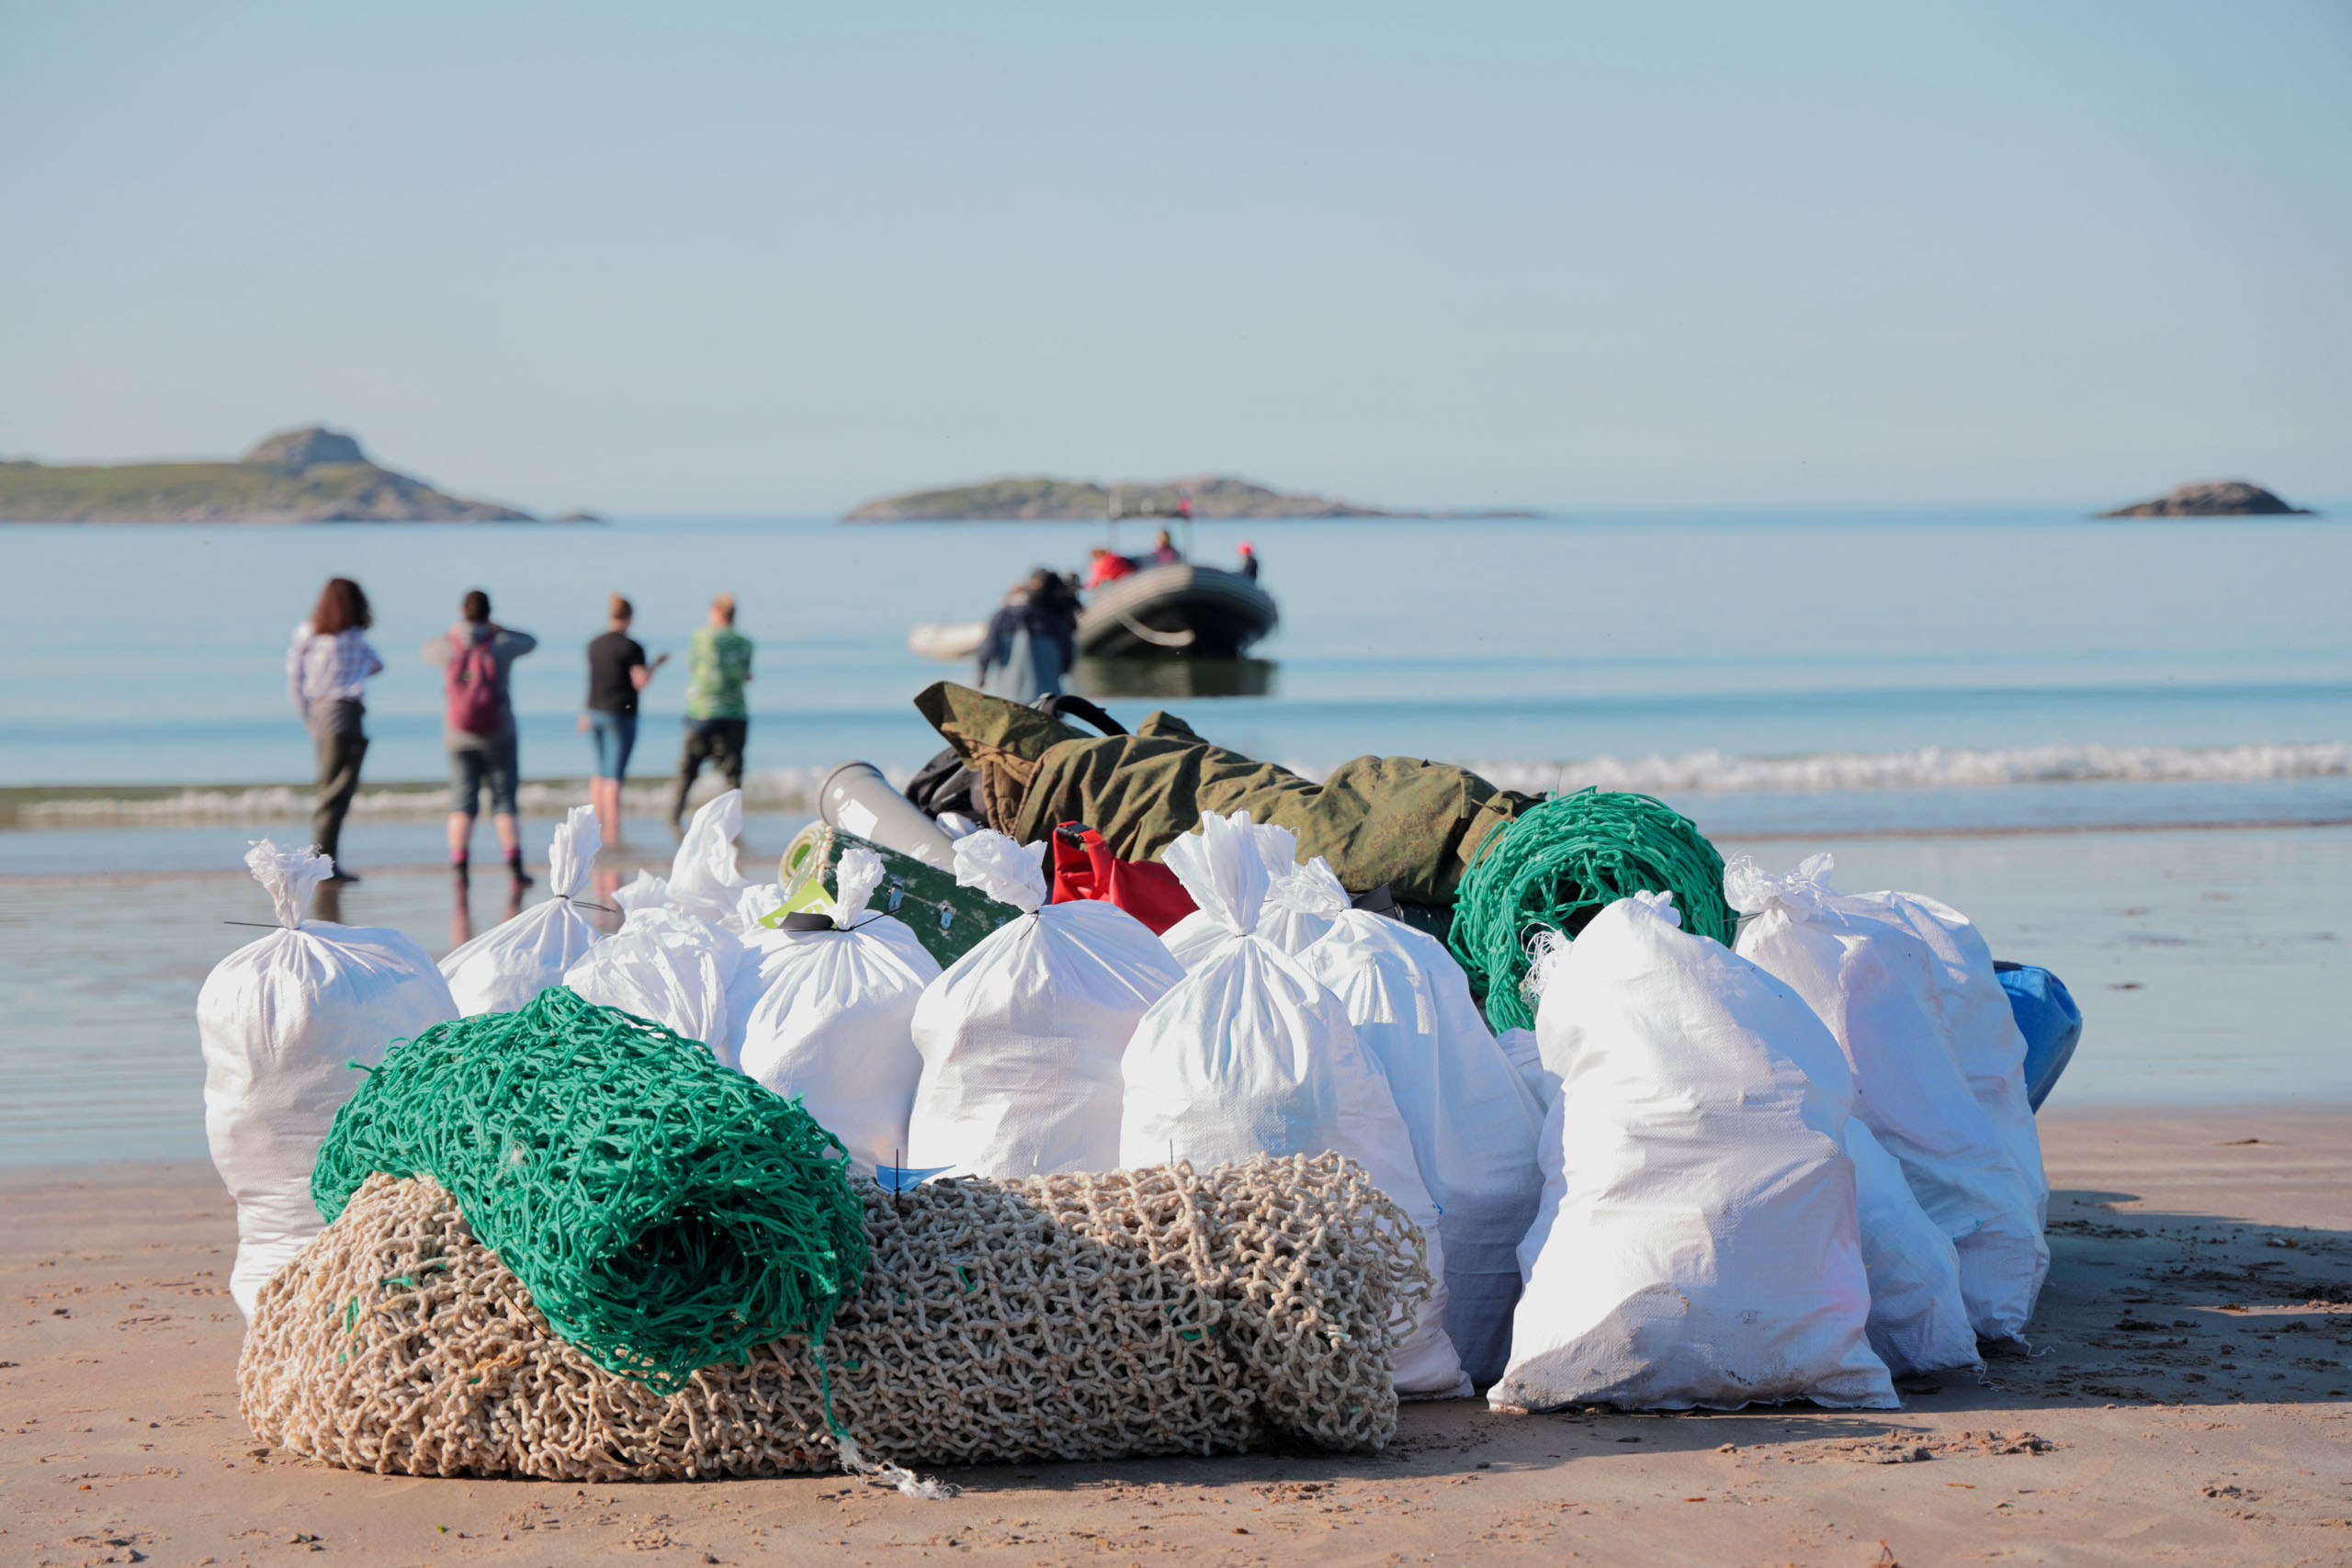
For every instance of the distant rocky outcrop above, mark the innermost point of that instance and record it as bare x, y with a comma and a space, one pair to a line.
2213, 498
1043, 499
312, 475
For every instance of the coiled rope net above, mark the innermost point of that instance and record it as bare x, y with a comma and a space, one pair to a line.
1135, 1312
664, 1212
1554, 865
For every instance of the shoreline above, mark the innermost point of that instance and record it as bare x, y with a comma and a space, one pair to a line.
2185, 1394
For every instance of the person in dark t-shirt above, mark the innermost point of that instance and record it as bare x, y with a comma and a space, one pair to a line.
616, 673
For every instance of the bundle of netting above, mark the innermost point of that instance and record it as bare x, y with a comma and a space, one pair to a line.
1557, 865
666, 1213
1161, 1311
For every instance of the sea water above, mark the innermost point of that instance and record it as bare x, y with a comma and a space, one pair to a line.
2120, 746
155, 655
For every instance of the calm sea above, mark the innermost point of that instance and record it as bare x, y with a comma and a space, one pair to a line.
1745, 653
1928, 696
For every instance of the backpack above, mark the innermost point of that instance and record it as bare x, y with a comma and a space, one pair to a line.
470, 686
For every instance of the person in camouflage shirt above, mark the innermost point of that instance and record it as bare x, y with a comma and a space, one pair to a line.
719, 662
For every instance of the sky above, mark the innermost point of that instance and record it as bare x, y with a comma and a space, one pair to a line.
737, 259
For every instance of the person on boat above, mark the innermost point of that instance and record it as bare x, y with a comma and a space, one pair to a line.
1164, 551
1032, 640
1248, 567
324, 668
1107, 566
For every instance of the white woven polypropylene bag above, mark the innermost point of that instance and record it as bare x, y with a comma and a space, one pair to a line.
771, 953
1472, 1118
1289, 924
1697, 1242
514, 961
833, 1028
1251, 1055
1919, 1318
1020, 1038
664, 965
1889, 974
281, 1020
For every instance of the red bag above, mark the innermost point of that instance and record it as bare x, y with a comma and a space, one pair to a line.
1145, 889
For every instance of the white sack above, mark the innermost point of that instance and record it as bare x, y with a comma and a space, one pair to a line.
280, 1021
514, 961
1251, 1055
1519, 1045
768, 950
1918, 1320
703, 881
1020, 1038
1289, 924
1697, 1244
1888, 973
832, 1026
666, 966
1473, 1121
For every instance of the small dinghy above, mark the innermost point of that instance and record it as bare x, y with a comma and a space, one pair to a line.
1181, 611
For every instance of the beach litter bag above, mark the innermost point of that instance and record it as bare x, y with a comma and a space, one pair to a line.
2049, 1021
666, 966
1697, 1244
281, 1022
1021, 1039
831, 1027
703, 881
1288, 923
1473, 1121
515, 960
1918, 1319
1251, 1055
1891, 975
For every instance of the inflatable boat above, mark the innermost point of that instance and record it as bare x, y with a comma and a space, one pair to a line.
1179, 610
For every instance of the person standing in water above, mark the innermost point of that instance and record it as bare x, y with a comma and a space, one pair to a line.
477, 660
1032, 640
616, 673
718, 662
325, 667
1163, 549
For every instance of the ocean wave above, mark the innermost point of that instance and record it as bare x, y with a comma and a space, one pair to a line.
1933, 767
766, 789
1696, 773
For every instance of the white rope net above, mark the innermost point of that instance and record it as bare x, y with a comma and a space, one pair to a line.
1065, 1317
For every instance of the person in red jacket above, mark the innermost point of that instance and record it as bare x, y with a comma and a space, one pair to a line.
1107, 566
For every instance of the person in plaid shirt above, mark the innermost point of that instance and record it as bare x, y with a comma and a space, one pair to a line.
325, 666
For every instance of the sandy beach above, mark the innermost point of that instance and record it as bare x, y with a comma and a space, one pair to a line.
2184, 1400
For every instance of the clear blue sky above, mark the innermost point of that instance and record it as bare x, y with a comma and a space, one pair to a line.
738, 258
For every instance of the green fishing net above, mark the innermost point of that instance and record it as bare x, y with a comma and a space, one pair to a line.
666, 1213
1573, 854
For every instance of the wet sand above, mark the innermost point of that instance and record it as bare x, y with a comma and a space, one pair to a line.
2186, 1400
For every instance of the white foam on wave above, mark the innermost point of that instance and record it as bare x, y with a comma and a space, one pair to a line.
766, 789
1696, 773
1933, 767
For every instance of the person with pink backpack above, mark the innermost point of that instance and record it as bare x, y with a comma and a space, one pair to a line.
477, 657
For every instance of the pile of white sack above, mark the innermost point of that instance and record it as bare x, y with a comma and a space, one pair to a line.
1709, 1176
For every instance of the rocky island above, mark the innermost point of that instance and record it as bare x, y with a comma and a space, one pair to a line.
1040, 499
314, 475
2214, 498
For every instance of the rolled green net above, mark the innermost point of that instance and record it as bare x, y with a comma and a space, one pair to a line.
665, 1211
1553, 865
